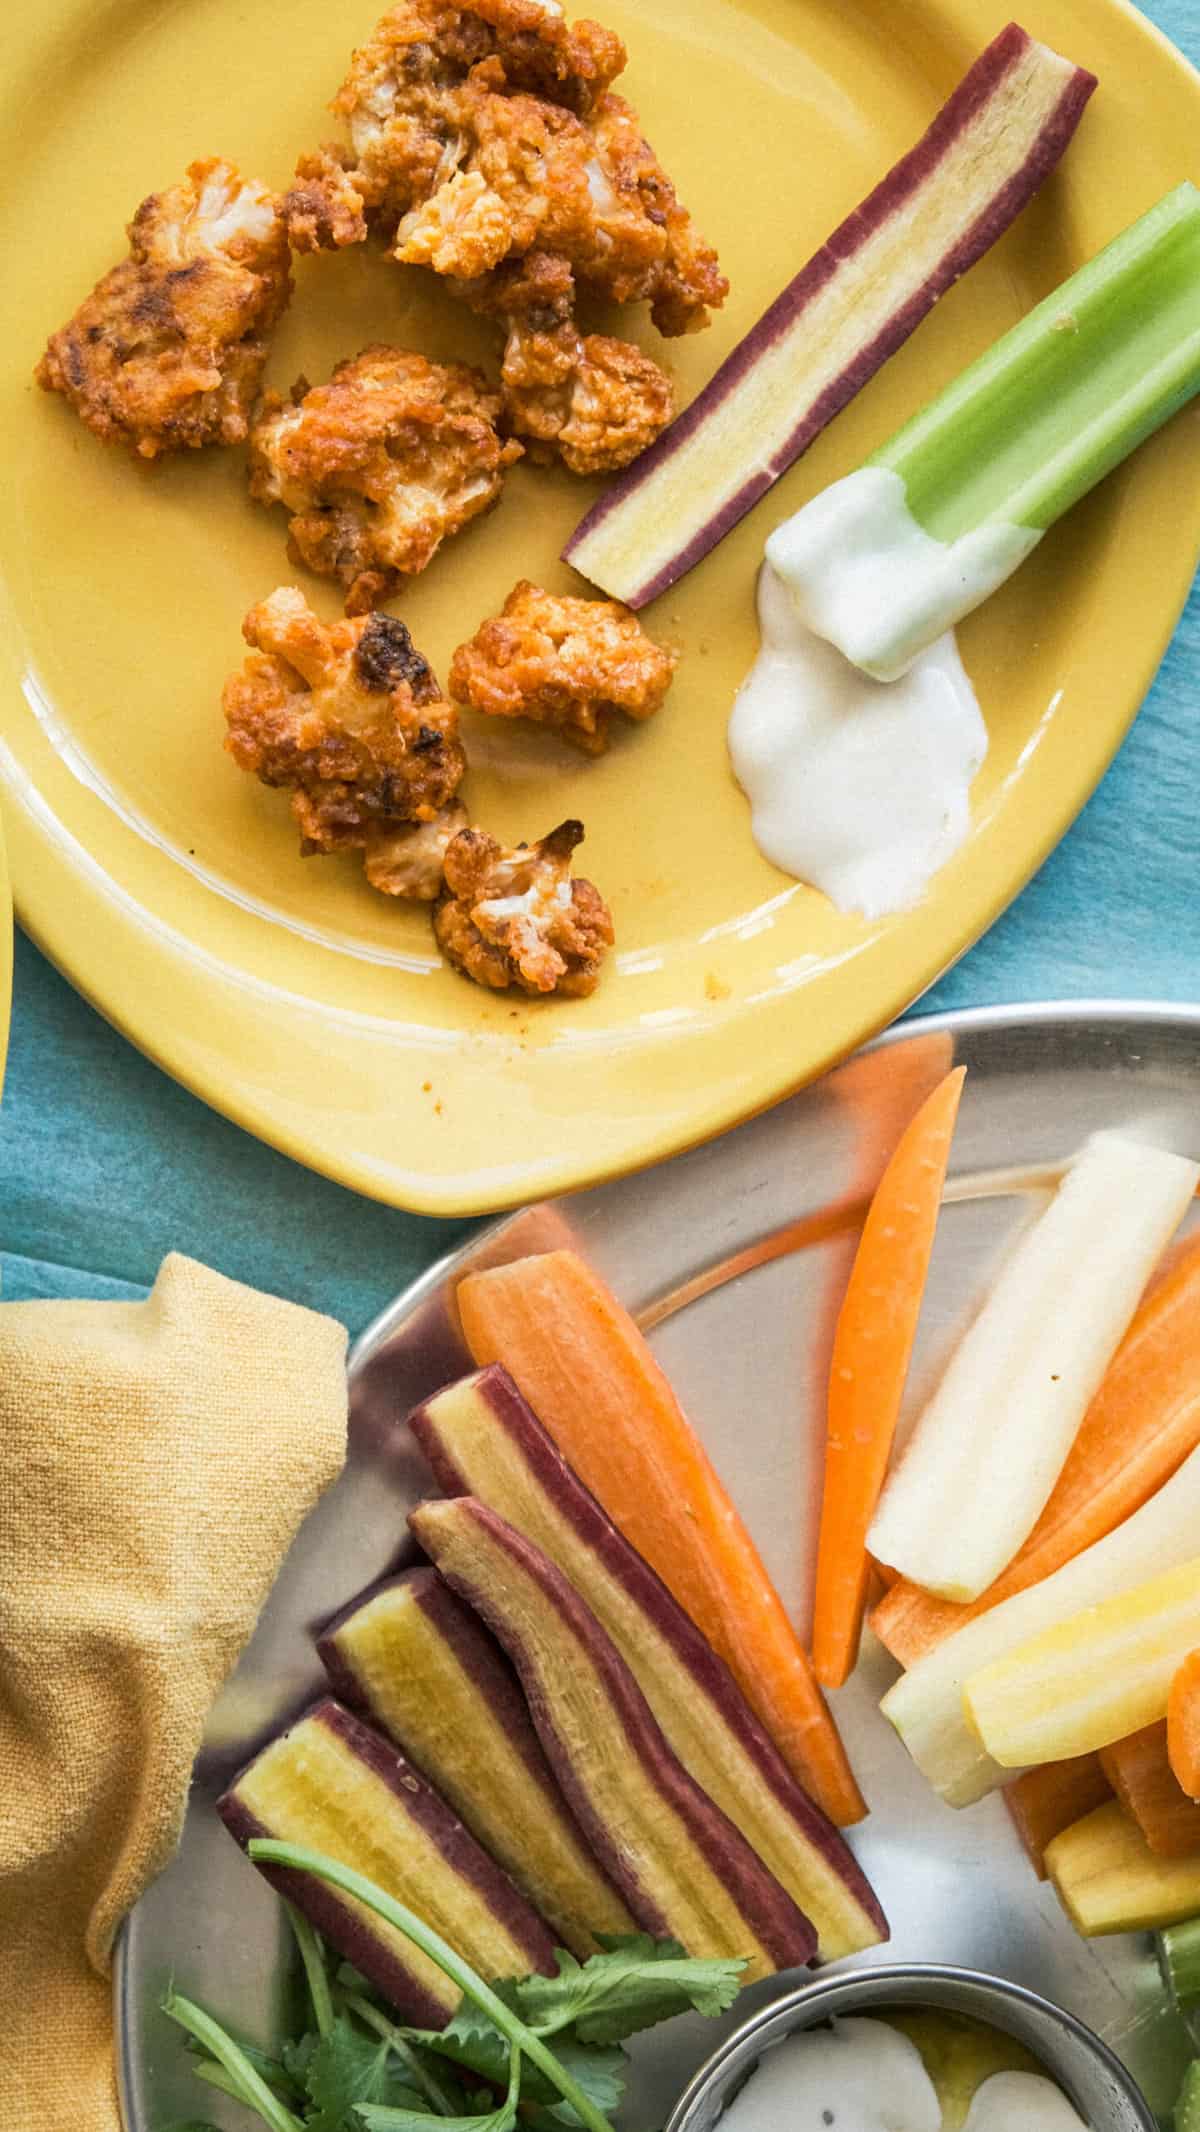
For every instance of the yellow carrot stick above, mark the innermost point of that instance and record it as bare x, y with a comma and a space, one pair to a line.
872, 1346
1089, 1680
1109, 1880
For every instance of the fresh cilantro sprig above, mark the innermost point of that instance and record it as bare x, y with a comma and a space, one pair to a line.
355, 2069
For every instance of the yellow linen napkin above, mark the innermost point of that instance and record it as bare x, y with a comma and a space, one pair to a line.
155, 1460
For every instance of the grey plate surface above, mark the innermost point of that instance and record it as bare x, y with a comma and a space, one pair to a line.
734, 1255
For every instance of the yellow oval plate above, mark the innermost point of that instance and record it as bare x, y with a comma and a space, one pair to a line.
168, 885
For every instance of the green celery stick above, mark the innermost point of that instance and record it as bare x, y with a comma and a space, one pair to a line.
1178, 1949
1060, 400
1187, 2109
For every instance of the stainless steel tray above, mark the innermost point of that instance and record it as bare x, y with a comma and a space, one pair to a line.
734, 1256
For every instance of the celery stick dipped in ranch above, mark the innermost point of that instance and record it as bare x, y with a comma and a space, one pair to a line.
857, 733
885, 561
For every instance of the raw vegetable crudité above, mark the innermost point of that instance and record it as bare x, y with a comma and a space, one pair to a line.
586, 1370
1046, 1800
987, 1450
1140, 1773
331, 1783
1087, 1681
957, 500
537, 1748
858, 299
872, 1346
419, 1665
681, 1865
1141, 1425
1183, 1725
482, 1439
926, 1704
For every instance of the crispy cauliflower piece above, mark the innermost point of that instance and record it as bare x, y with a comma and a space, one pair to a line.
595, 401
517, 917
410, 860
349, 718
379, 466
324, 209
169, 348
480, 133
564, 662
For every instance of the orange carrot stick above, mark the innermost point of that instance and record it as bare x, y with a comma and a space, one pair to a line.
1147, 1787
588, 1374
1141, 1425
1183, 1726
1046, 1800
872, 1345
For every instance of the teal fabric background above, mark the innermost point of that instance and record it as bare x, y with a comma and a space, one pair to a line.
105, 1164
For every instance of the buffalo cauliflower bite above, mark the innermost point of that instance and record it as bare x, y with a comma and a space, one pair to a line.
379, 466
595, 401
348, 718
565, 662
409, 860
517, 917
168, 350
481, 133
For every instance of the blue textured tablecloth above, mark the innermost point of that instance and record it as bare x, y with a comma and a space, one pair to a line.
105, 1164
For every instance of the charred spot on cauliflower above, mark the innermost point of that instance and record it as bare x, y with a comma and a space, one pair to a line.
480, 133
379, 466
347, 717
518, 918
564, 662
168, 350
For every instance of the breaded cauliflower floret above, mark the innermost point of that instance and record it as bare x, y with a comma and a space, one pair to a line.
379, 466
348, 717
517, 917
595, 401
410, 860
168, 350
480, 133
565, 662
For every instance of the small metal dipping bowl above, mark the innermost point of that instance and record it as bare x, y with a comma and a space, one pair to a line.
1104, 2094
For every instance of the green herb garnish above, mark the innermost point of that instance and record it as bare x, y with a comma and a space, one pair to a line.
356, 2069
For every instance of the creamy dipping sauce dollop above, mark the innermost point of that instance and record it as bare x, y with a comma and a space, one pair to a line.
863, 573
863, 2075
857, 786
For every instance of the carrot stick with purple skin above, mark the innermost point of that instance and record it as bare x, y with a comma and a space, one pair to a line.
872, 1347
580, 1361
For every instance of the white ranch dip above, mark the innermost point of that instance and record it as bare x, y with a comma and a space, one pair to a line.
857, 786
863, 573
865, 2076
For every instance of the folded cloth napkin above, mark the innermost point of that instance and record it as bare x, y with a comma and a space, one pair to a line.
156, 1459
